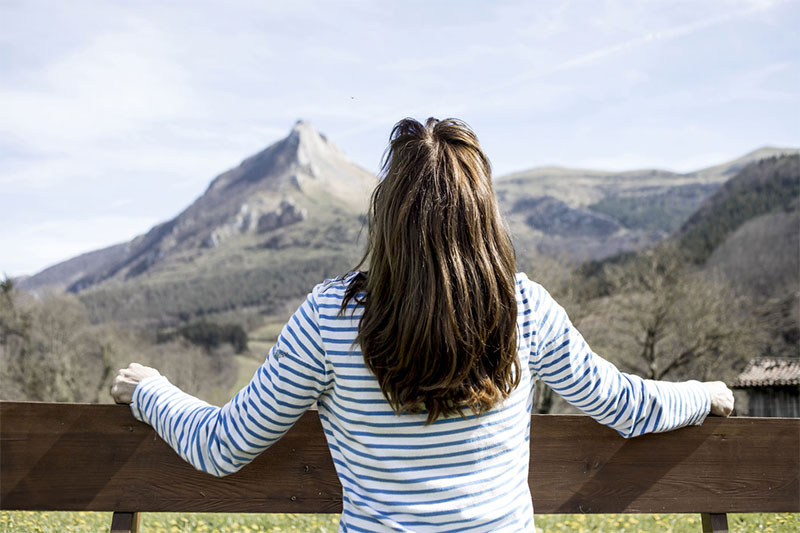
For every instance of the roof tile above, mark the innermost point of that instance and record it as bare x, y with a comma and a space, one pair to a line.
770, 371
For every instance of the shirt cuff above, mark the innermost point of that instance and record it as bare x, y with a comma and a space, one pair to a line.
705, 402
140, 393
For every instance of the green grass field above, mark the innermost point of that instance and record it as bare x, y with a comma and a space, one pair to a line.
36, 521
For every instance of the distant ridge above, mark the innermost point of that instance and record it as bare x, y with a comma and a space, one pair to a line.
731, 168
647, 205
64, 274
727, 167
264, 232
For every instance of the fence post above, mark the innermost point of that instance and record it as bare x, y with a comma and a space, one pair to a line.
715, 522
125, 522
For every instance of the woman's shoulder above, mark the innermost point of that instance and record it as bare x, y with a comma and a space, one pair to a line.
525, 284
532, 292
334, 288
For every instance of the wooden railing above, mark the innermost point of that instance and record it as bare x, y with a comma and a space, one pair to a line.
98, 458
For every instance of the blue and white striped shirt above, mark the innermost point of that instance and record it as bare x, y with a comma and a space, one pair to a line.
397, 474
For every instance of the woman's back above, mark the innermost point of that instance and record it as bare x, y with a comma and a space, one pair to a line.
399, 474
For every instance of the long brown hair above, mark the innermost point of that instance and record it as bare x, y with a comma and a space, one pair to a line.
439, 322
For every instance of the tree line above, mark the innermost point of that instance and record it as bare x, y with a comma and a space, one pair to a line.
51, 351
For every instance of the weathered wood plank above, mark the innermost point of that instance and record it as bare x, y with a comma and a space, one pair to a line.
97, 457
723, 466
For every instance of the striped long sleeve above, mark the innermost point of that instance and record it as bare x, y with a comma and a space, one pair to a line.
398, 474
630, 404
221, 440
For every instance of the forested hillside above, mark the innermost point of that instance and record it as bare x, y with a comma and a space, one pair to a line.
662, 212
762, 187
724, 289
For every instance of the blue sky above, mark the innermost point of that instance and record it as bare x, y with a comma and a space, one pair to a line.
116, 115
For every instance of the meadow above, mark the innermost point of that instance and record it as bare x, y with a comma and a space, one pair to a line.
47, 522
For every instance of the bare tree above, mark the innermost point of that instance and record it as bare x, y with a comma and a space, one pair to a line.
681, 324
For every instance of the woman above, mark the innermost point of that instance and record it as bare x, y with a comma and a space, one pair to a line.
422, 367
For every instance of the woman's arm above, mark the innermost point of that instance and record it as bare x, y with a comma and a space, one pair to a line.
221, 440
630, 404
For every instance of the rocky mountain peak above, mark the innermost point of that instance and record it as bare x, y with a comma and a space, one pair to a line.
304, 151
309, 147
303, 127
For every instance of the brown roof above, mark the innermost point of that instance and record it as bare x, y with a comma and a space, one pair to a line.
770, 371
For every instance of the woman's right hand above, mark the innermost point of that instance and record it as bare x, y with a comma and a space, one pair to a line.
721, 398
127, 379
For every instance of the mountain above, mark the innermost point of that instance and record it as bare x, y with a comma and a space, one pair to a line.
620, 211
294, 208
263, 233
762, 187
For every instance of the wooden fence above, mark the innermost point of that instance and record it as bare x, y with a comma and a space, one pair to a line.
76, 457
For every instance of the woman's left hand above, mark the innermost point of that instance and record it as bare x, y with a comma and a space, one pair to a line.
721, 398
127, 379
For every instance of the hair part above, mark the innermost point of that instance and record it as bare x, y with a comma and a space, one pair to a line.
440, 311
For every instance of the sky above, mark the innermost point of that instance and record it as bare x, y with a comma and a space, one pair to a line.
115, 115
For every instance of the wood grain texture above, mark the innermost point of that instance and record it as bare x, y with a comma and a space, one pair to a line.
99, 458
725, 465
